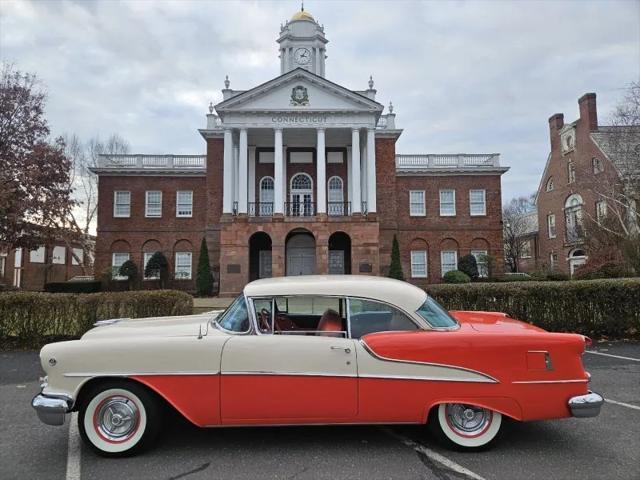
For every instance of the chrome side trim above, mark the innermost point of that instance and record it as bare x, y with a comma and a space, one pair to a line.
489, 378
110, 321
338, 423
426, 378
583, 380
130, 374
290, 374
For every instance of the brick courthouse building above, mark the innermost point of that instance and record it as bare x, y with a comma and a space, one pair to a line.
300, 176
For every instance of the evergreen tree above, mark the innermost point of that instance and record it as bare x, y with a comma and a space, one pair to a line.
204, 277
157, 266
469, 265
395, 270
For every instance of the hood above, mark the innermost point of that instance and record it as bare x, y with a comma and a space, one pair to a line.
492, 322
182, 326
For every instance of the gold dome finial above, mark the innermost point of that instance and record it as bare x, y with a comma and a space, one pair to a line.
302, 15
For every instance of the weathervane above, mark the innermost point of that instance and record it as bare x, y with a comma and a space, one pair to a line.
210, 107
370, 82
226, 82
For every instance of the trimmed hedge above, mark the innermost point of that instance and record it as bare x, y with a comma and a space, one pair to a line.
91, 286
28, 318
596, 308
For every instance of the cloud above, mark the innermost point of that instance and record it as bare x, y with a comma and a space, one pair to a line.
464, 76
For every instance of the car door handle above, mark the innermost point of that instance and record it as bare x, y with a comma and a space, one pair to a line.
346, 350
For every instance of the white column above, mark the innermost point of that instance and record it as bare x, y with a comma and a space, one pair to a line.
363, 170
317, 61
278, 167
349, 176
285, 177
243, 172
236, 153
252, 174
371, 169
227, 172
356, 201
321, 173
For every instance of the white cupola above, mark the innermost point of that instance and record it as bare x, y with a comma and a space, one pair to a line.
302, 44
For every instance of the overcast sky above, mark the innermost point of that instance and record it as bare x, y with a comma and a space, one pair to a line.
471, 77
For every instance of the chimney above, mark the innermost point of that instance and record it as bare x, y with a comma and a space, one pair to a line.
588, 111
556, 122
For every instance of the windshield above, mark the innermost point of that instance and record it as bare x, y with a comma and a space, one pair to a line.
435, 315
236, 317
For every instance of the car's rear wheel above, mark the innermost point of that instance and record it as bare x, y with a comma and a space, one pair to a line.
465, 427
118, 418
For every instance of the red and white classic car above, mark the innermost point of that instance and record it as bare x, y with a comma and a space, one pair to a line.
316, 350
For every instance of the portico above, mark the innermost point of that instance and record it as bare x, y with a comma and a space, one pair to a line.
305, 170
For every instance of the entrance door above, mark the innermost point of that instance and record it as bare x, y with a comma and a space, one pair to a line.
336, 262
282, 378
264, 268
301, 196
301, 254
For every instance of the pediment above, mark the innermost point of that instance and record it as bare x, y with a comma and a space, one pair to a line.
301, 91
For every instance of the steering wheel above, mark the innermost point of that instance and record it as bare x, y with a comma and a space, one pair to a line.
264, 319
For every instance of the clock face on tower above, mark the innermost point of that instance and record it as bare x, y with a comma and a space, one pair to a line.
302, 56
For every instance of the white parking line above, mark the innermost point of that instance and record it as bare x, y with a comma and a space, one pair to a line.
628, 405
436, 457
613, 356
73, 449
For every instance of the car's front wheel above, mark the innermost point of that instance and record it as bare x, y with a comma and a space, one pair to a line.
118, 418
465, 427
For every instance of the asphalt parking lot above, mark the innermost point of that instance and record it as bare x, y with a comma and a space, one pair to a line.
606, 447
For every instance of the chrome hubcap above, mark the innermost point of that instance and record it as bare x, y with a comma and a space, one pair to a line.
466, 419
117, 418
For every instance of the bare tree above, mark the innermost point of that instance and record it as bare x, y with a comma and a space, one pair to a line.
614, 228
79, 222
516, 224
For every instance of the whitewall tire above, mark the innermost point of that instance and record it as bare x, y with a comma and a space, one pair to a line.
465, 427
118, 418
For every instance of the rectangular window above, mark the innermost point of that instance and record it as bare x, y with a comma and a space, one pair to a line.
418, 264
525, 249
447, 203
37, 255
601, 210
117, 259
448, 261
551, 225
416, 203
482, 262
598, 167
59, 255
553, 260
153, 208
571, 172
477, 202
121, 204
146, 258
184, 203
183, 265
78, 252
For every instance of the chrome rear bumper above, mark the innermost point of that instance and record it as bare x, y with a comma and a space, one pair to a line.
587, 405
51, 410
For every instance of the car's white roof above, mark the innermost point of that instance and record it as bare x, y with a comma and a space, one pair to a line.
395, 292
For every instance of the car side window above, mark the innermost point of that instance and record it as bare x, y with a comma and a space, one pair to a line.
236, 317
368, 316
264, 314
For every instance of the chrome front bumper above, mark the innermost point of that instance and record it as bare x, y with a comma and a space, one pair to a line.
587, 405
51, 410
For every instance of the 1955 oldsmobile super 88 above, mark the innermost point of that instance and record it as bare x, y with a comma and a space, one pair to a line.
316, 350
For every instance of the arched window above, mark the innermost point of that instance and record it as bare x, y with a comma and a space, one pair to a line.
266, 196
301, 194
335, 204
301, 181
573, 217
550, 184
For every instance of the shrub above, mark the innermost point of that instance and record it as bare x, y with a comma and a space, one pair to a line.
204, 277
606, 270
29, 318
395, 269
157, 266
456, 276
73, 287
130, 270
595, 307
468, 265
